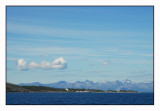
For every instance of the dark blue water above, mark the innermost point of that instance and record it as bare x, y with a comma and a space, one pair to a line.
80, 99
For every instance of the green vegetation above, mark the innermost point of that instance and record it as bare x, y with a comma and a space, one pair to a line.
16, 88
43, 89
111, 91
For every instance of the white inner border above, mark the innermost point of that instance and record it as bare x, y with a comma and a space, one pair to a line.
155, 107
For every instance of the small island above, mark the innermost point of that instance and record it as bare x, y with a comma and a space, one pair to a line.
122, 91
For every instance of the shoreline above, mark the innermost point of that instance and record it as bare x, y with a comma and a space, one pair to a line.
80, 92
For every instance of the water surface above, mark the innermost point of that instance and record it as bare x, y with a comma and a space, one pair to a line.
79, 99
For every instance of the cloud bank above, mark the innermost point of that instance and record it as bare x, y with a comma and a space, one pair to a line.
58, 63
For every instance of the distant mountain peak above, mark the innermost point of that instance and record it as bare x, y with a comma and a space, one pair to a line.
61, 82
36, 82
88, 80
106, 85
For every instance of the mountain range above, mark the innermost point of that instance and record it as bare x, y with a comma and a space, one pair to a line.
106, 85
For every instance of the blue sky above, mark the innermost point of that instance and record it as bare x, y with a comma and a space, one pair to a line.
50, 44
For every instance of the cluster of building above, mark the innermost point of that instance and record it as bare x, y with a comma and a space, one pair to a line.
83, 91
122, 91
71, 90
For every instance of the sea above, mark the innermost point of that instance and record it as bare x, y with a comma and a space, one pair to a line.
80, 98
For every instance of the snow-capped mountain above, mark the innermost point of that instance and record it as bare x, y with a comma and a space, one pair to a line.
106, 85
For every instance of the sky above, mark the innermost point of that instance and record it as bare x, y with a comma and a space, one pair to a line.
51, 44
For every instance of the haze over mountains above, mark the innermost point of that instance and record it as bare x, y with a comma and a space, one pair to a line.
106, 85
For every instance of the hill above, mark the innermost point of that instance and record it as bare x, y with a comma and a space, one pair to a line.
16, 88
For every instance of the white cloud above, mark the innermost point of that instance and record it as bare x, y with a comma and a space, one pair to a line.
106, 62
33, 65
58, 63
22, 65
